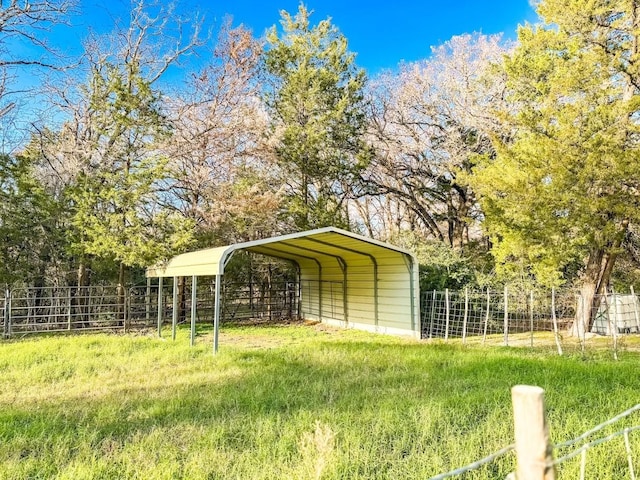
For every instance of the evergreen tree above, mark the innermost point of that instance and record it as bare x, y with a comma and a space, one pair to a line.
31, 234
113, 200
316, 103
565, 187
105, 158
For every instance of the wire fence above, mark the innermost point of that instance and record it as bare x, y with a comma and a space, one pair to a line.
110, 307
513, 318
572, 456
518, 318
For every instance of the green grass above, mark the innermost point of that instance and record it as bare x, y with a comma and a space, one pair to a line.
282, 402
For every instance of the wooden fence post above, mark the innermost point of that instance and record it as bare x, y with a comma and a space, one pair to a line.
534, 452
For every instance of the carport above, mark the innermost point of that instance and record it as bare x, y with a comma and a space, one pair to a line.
345, 279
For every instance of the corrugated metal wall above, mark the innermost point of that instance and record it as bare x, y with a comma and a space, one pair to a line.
393, 297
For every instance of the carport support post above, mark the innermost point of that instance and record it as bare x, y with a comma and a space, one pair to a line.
160, 305
174, 314
194, 297
216, 314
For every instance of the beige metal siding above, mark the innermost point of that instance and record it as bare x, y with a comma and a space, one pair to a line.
381, 281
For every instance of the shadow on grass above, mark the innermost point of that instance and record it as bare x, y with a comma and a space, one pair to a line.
388, 397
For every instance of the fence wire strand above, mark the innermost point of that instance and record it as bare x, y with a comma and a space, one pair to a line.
582, 450
593, 443
597, 428
475, 465
532, 319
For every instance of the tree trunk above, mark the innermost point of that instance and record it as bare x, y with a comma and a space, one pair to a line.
596, 278
585, 310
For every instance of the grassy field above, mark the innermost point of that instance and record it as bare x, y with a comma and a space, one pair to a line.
290, 402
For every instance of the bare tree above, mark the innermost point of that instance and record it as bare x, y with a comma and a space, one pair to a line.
426, 124
219, 170
23, 24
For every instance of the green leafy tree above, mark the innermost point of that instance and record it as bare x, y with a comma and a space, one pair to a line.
316, 104
566, 186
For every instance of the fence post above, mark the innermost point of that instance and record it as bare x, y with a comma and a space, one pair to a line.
147, 301
87, 308
534, 452
69, 324
447, 312
506, 316
7, 313
614, 326
531, 315
555, 321
127, 302
433, 306
466, 314
486, 318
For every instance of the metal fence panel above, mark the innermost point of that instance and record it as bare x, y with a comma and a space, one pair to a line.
524, 318
107, 307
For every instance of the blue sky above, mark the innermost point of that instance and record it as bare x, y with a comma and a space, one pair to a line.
382, 33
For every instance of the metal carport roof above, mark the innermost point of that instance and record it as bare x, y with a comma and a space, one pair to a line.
370, 271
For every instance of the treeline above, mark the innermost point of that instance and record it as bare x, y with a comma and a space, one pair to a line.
494, 161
